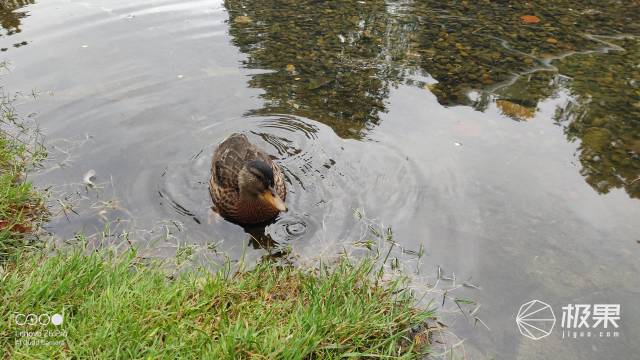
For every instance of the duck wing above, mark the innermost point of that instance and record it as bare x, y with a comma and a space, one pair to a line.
229, 158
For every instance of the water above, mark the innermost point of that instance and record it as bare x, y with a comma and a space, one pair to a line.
410, 112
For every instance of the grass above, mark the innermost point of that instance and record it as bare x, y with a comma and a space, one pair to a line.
21, 207
115, 307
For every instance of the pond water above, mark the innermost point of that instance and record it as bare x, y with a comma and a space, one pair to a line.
504, 148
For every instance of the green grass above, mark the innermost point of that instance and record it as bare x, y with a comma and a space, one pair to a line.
21, 207
115, 307
20, 204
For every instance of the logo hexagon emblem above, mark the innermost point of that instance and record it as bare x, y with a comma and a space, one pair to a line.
535, 319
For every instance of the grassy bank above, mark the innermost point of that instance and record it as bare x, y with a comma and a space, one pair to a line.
114, 308
21, 207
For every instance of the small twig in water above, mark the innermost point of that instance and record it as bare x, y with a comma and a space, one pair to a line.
471, 285
478, 320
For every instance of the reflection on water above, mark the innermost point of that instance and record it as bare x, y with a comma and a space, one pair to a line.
603, 112
335, 62
605, 116
480, 44
11, 14
328, 59
465, 129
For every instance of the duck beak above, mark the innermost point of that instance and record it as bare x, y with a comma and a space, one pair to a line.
273, 199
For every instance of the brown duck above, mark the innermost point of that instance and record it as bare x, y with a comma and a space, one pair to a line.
246, 186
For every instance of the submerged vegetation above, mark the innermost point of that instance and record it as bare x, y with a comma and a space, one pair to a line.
115, 307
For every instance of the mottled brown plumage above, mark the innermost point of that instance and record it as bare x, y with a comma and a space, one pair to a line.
240, 172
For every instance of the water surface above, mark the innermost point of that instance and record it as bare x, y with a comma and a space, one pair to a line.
508, 150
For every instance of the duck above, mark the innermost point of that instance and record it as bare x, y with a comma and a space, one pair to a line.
246, 186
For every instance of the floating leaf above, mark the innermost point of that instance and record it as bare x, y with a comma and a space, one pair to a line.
242, 19
515, 111
530, 19
429, 87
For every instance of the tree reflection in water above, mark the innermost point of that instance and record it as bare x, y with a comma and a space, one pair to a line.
336, 61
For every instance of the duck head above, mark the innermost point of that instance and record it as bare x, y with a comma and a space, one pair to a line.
256, 183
